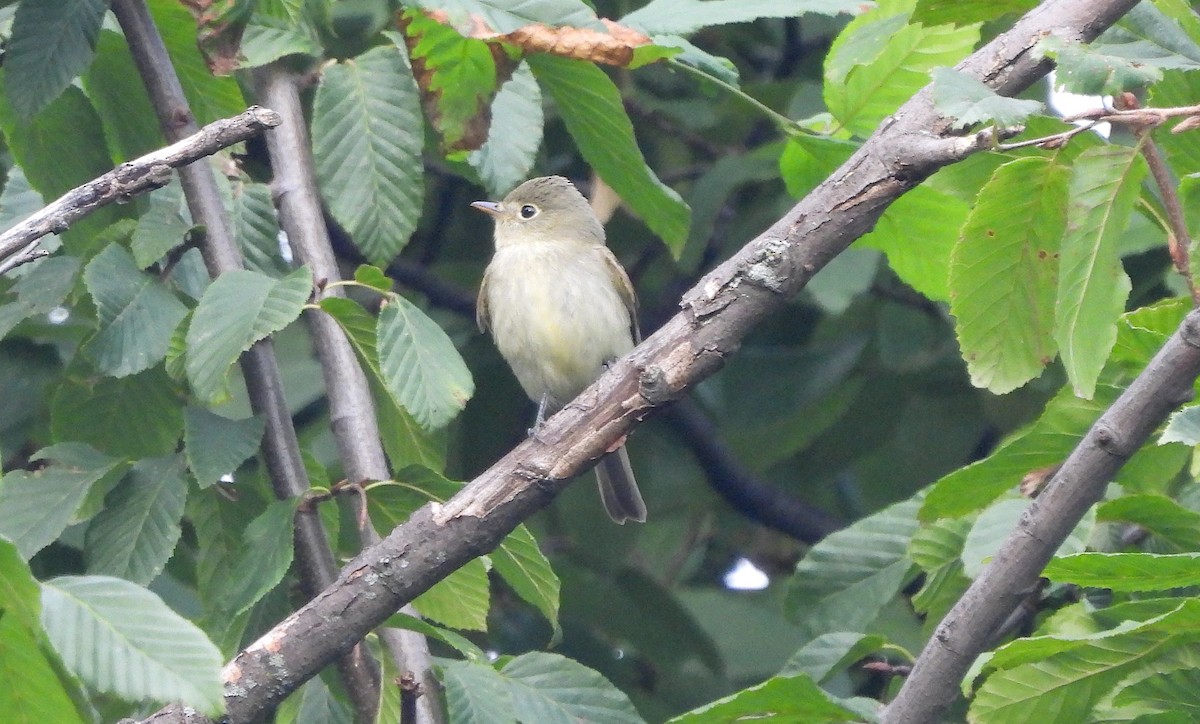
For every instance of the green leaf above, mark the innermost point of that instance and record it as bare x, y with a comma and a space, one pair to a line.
457, 76
1092, 285
918, 233
1183, 426
458, 642
459, 600
960, 12
30, 688
161, 228
209, 97
156, 654
1004, 274
238, 309
367, 143
526, 569
505, 16
319, 704
1046, 442
515, 134
51, 42
279, 28
591, 107
373, 278
1165, 519
1095, 69
806, 161
782, 698
136, 314
18, 200
47, 283
216, 445
146, 404
552, 689
262, 561
1175, 692
895, 66
258, 229
477, 694
420, 365
997, 522
845, 580
116, 90
968, 101
1127, 571
831, 653
683, 17
135, 534
404, 440
36, 506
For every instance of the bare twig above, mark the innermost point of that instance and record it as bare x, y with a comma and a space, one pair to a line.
154, 170
1179, 240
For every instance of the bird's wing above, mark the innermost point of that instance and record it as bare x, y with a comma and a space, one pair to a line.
620, 281
482, 316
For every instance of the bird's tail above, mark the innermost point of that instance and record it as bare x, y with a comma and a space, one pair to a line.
618, 488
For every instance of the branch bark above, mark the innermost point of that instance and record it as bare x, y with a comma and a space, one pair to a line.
715, 316
152, 171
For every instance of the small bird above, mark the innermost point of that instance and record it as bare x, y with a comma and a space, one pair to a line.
560, 309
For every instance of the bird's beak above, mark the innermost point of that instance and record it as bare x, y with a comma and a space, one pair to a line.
491, 208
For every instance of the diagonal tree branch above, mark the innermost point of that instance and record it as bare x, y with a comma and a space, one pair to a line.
152, 171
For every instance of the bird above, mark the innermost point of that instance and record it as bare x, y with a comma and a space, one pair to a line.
561, 309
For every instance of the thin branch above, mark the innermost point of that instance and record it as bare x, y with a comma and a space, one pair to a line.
714, 318
1179, 240
352, 410
264, 383
152, 171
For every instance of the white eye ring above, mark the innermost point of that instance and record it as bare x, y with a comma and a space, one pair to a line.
528, 211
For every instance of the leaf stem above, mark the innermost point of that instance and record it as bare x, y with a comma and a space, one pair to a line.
787, 125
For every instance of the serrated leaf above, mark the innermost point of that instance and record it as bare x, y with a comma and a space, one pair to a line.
1046, 442
404, 440
279, 28
918, 233
1165, 519
262, 561
47, 283
460, 600
51, 42
1183, 426
1127, 571
514, 136
36, 506
135, 534
373, 277
1095, 69
831, 653
477, 694
1004, 274
1092, 285
591, 107
782, 698
161, 228
258, 229
994, 525
209, 97
846, 579
18, 200
367, 143
683, 17
146, 404
239, 308
1174, 692
505, 16
137, 314
526, 569
420, 365
895, 65
552, 689
457, 76
959, 12
156, 654
30, 688
216, 445
968, 101
113, 84
458, 642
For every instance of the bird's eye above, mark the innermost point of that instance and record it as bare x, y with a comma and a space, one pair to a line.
528, 211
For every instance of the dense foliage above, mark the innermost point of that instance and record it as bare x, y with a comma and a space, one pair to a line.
906, 405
